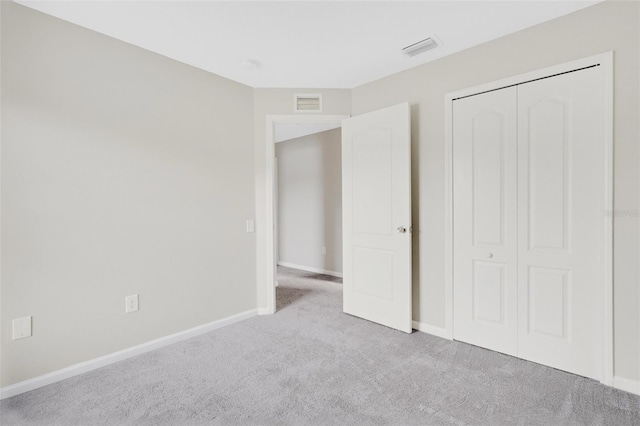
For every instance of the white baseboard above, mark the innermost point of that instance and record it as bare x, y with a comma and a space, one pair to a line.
265, 311
627, 385
431, 329
83, 367
310, 269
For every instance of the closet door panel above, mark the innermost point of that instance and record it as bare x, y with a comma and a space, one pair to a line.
485, 230
560, 220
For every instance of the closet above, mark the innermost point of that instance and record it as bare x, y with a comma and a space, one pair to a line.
528, 228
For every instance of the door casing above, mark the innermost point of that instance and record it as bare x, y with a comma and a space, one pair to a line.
604, 60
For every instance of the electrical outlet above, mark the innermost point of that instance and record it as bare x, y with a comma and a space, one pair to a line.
324, 250
21, 328
131, 303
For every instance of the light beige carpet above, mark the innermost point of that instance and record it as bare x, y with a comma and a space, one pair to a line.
312, 364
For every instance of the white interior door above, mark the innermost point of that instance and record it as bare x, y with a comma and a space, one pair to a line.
561, 180
376, 194
485, 215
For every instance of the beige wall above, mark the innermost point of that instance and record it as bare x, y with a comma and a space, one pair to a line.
604, 27
280, 102
310, 200
116, 168
122, 172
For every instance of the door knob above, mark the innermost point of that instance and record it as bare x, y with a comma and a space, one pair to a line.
490, 255
402, 229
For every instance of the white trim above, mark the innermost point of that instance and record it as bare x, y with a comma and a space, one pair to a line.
606, 61
311, 269
430, 329
93, 364
272, 120
602, 58
448, 218
265, 311
627, 385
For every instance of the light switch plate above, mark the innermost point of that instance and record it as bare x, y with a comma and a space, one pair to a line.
21, 328
251, 227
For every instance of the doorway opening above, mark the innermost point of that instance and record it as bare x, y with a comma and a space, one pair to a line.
296, 252
308, 204
376, 214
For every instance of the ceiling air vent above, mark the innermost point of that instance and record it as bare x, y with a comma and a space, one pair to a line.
307, 103
420, 46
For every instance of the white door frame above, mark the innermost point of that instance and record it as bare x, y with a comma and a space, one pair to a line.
270, 155
604, 60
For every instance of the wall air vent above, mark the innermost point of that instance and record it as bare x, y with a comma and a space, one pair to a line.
307, 103
420, 47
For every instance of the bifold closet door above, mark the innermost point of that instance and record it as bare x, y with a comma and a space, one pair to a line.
561, 204
485, 220
528, 193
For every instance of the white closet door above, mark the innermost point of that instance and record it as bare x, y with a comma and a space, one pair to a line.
560, 209
485, 228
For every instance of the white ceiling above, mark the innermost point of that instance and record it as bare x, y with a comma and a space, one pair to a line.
311, 44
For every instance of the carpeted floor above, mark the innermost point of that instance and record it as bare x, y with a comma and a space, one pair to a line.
312, 364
